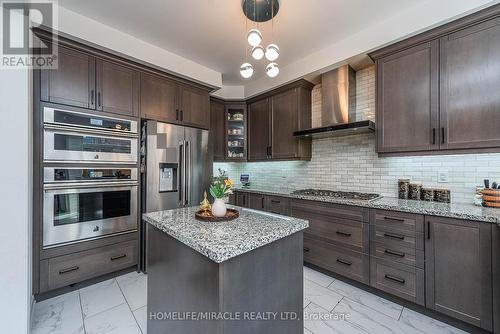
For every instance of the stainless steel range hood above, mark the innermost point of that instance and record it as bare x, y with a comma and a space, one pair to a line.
338, 110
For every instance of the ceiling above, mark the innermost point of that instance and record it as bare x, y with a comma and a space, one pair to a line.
212, 32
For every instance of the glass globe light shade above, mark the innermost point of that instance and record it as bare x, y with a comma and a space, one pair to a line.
272, 70
254, 37
272, 52
257, 52
246, 70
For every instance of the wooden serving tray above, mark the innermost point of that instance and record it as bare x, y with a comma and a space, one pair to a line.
491, 198
208, 217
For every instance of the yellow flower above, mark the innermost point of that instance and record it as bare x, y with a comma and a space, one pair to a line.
228, 182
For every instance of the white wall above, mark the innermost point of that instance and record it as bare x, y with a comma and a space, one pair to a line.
230, 92
15, 200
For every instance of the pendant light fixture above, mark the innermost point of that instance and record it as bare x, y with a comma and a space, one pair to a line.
254, 37
272, 50
258, 52
246, 69
272, 70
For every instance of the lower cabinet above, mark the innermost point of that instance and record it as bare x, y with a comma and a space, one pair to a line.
458, 270
73, 268
256, 201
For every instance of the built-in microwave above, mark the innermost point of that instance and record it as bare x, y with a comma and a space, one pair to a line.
81, 138
82, 203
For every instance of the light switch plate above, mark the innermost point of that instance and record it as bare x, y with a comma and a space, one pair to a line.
443, 177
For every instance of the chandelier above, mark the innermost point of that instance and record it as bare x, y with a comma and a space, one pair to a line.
260, 11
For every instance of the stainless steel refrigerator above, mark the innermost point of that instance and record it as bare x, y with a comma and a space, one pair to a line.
176, 169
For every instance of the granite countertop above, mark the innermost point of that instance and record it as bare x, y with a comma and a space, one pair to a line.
458, 210
221, 241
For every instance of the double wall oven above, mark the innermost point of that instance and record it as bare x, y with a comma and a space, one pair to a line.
90, 176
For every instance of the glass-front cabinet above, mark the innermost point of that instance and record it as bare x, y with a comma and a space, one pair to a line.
236, 132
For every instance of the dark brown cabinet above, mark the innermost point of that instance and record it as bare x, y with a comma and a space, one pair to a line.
117, 88
159, 98
194, 106
259, 130
217, 129
458, 269
73, 82
407, 84
235, 146
256, 201
437, 91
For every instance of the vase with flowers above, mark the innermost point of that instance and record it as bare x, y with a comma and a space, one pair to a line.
220, 189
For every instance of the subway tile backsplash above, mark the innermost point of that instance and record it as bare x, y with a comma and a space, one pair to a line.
351, 164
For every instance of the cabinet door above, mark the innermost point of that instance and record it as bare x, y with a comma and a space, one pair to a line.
195, 107
256, 201
217, 130
241, 199
117, 88
73, 82
407, 100
458, 269
470, 87
159, 98
284, 123
258, 130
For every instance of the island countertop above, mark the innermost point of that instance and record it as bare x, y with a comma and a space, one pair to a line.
221, 241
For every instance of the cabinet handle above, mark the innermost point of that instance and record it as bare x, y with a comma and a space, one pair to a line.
118, 257
347, 263
262, 203
182, 115
92, 94
391, 252
306, 249
244, 200
433, 136
428, 230
395, 219
275, 201
176, 114
99, 99
395, 279
344, 234
68, 270
394, 236
442, 135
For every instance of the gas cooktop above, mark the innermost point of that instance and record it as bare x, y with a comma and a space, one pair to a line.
337, 194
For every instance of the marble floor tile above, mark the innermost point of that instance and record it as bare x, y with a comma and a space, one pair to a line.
141, 317
321, 296
375, 302
58, 315
306, 331
425, 324
317, 277
117, 320
134, 288
100, 297
319, 321
306, 302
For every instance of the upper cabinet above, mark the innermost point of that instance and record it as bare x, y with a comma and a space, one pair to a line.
437, 91
217, 129
194, 105
259, 128
73, 83
236, 131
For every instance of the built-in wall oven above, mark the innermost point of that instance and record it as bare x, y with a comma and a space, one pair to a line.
90, 176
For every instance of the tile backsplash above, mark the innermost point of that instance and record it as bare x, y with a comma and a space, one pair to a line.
351, 163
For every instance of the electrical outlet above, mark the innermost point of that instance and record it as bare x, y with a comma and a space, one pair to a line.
443, 177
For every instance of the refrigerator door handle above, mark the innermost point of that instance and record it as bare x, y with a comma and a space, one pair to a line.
188, 172
181, 173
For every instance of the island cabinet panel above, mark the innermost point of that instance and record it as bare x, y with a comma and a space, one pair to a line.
470, 93
194, 107
407, 100
73, 82
459, 269
259, 123
159, 98
217, 130
117, 88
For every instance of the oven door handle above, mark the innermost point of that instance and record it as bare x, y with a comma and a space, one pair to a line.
55, 186
107, 133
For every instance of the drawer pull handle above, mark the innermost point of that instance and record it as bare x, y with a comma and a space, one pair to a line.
68, 270
344, 234
347, 263
395, 219
395, 279
306, 249
394, 236
275, 201
118, 257
276, 212
391, 252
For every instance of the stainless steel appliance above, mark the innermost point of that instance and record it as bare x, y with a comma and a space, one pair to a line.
81, 203
79, 138
177, 168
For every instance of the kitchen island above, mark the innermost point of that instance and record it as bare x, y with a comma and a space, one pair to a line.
241, 276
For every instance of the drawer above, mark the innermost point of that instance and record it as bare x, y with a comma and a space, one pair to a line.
339, 260
278, 205
396, 239
400, 220
354, 236
403, 255
397, 279
73, 268
352, 213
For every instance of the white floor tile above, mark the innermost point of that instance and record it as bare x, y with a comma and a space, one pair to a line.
375, 302
100, 297
306, 331
58, 315
306, 302
321, 296
142, 318
118, 320
134, 288
317, 277
424, 324
319, 321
